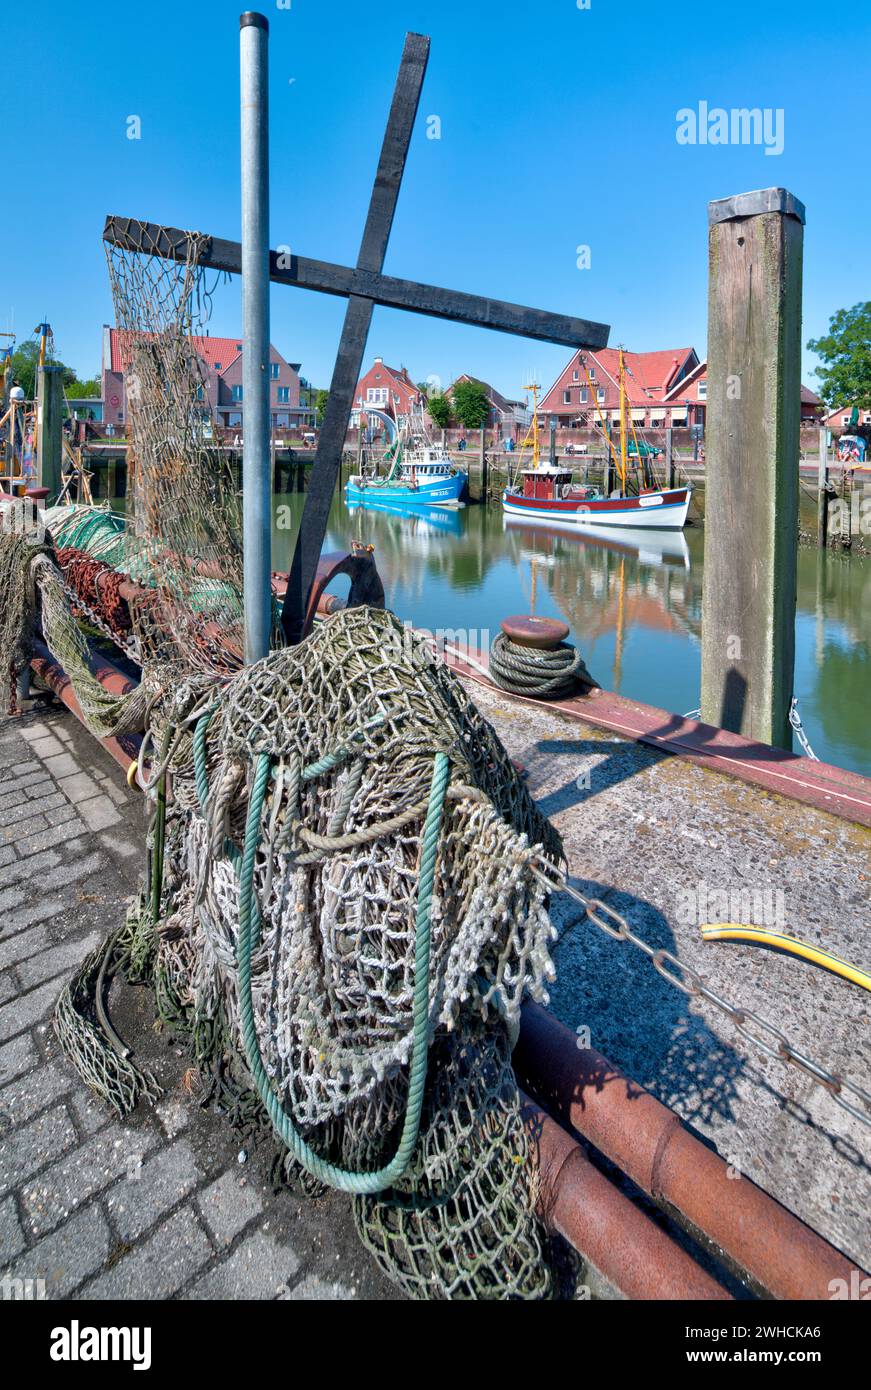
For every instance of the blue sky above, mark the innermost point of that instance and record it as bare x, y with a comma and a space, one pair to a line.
558, 130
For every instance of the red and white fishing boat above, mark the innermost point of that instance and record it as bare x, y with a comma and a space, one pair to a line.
545, 491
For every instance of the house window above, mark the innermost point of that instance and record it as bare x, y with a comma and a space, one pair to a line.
218, 366
592, 373
600, 395
377, 395
284, 395
583, 395
199, 393
238, 347
576, 376
567, 397
274, 369
237, 393
703, 390
845, 420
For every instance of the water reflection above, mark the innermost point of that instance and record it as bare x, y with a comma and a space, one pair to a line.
633, 602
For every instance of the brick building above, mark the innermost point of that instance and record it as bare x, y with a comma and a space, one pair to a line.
663, 388
389, 389
222, 397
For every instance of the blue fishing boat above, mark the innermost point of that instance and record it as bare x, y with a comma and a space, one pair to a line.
420, 473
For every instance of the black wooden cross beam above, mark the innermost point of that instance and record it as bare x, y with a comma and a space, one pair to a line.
364, 287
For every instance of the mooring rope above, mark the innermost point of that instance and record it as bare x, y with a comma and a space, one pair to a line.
554, 674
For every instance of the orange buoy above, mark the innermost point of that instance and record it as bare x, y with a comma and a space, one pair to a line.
542, 633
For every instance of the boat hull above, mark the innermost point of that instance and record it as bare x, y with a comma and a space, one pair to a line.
652, 511
441, 492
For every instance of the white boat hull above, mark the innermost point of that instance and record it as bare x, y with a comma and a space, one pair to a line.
653, 511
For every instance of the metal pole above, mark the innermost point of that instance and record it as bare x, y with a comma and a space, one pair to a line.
256, 447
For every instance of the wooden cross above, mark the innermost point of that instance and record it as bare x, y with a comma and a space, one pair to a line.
364, 286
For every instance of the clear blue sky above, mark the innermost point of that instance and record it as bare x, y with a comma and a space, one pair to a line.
558, 129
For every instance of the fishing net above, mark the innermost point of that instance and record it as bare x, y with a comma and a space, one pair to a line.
341, 909
186, 505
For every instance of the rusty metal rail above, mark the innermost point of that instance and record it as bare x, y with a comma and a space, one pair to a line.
649, 1142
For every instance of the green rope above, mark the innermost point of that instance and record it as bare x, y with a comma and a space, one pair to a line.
358, 1183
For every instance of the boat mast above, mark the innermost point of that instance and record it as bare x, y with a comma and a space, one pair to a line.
536, 452
622, 381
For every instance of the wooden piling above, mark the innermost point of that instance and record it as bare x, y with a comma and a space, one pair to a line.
49, 448
669, 457
823, 493
751, 531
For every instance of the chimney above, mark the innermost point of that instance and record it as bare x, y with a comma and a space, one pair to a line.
379, 361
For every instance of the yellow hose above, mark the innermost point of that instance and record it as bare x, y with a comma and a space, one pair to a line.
735, 931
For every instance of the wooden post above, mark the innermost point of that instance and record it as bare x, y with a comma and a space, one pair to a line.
484, 463
553, 443
823, 494
751, 530
49, 416
669, 457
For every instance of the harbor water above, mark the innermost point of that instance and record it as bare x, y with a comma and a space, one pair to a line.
633, 603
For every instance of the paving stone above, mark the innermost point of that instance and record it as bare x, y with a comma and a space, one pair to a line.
161, 1266
14, 949
10, 815
27, 1009
36, 868
90, 1113
7, 854
9, 988
151, 1190
38, 787
62, 765
98, 813
48, 838
315, 1290
81, 1175
19, 829
11, 1234
58, 960
26, 1150
45, 745
37, 910
65, 815
261, 1267
228, 1205
28, 1095
79, 787
68, 1256
16, 1057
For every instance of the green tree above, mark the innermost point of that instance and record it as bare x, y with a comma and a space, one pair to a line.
25, 360
439, 408
80, 390
471, 405
845, 377
423, 388
321, 405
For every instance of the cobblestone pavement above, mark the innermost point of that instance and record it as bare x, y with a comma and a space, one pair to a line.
159, 1206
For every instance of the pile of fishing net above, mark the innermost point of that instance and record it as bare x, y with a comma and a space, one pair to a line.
340, 910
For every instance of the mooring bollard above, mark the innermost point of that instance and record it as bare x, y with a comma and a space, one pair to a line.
751, 502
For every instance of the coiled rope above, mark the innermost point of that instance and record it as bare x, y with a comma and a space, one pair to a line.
530, 671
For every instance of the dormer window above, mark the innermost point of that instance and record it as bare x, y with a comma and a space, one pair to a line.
218, 366
238, 347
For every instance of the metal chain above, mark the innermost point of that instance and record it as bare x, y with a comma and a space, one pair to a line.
690, 982
795, 721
